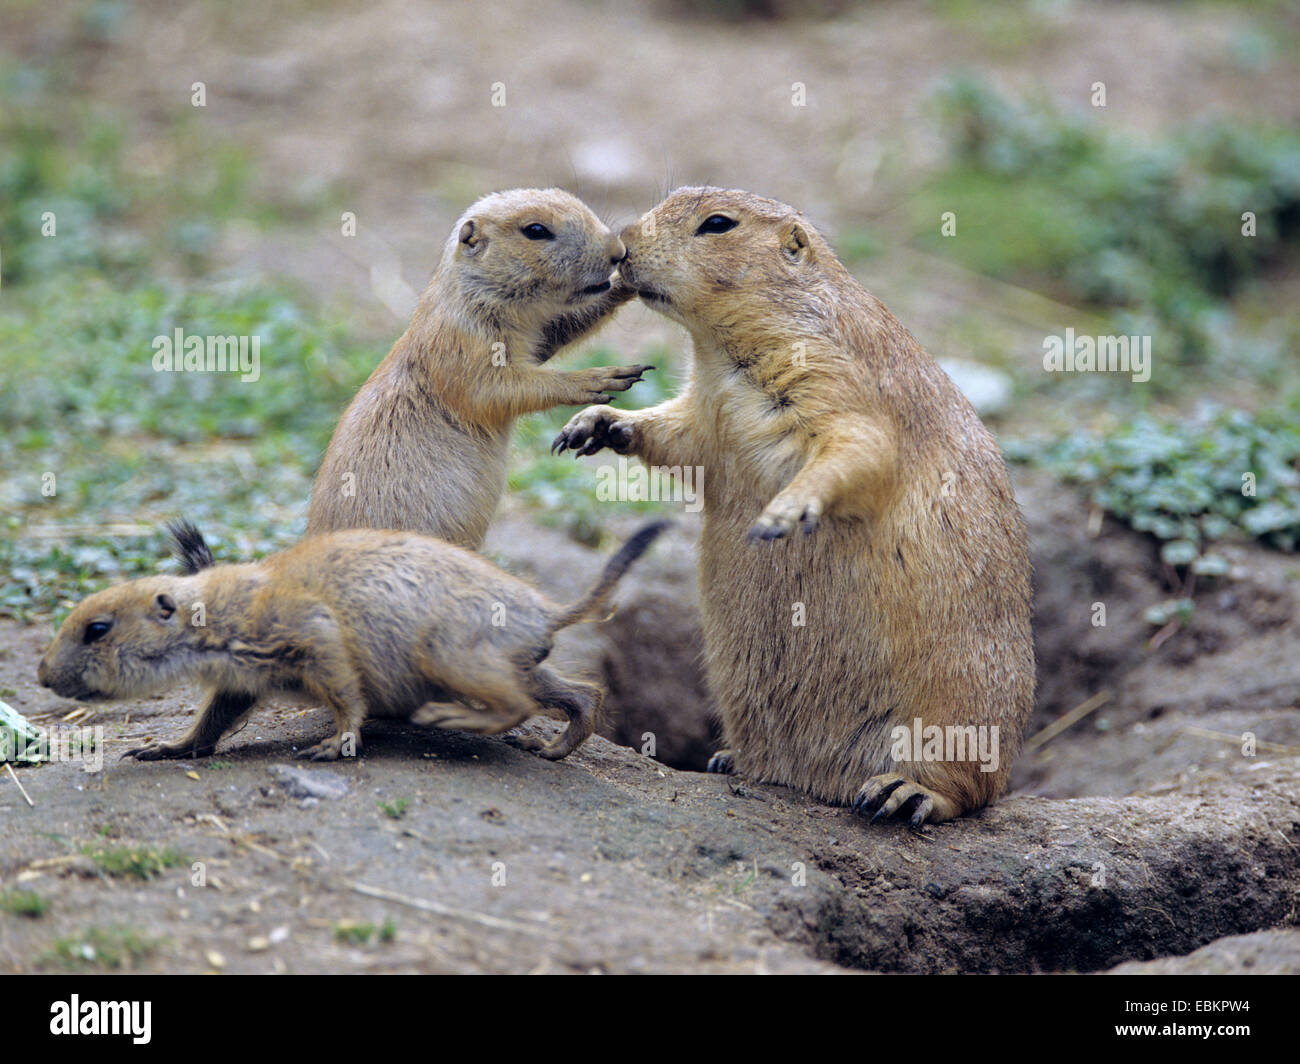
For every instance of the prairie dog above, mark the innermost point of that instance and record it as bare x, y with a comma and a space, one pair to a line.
374, 624
863, 565
423, 445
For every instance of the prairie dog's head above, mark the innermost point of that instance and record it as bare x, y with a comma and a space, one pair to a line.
706, 256
529, 252
123, 641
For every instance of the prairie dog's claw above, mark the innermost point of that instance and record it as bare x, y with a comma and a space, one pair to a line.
591, 429
890, 793
783, 516
722, 762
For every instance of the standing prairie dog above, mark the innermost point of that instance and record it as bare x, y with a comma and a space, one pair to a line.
863, 564
374, 624
423, 445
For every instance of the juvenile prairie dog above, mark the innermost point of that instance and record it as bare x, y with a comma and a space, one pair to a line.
373, 624
423, 445
863, 565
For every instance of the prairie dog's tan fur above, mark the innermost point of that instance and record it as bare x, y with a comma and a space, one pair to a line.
423, 445
811, 408
374, 624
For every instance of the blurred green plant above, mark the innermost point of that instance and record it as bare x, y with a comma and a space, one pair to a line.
1152, 231
111, 948
81, 401
23, 903
1191, 483
140, 862
58, 211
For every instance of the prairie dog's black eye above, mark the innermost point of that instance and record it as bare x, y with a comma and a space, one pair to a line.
537, 231
96, 630
716, 223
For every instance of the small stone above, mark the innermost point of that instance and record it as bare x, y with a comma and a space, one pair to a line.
301, 783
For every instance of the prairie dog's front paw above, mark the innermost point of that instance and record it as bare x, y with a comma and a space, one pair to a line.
596, 427
598, 383
783, 515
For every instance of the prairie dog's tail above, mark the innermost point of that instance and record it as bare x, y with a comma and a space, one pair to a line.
189, 546
589, 606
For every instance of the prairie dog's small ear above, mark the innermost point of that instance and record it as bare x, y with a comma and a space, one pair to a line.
164, 606
470, 236
794, 241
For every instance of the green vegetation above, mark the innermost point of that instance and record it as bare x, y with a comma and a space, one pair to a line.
1191, 483
136, 862
356, 933
395, 809
1149, 233
112, 948
93, 435
91, 429
23, 903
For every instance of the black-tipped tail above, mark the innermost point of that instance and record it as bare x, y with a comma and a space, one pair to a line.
589, 606
190, 546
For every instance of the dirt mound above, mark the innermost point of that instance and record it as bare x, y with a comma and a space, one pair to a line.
1263, 953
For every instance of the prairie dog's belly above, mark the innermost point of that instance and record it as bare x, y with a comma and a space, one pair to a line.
447, 486
385, 707
756, 448
798, 651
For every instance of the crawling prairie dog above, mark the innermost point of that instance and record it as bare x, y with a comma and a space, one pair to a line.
863, 563
423, 445
372, 623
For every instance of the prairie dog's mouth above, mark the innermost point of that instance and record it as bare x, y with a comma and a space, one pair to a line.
651, 296
589, 291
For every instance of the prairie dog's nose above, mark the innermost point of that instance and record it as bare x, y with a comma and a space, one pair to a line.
617, 250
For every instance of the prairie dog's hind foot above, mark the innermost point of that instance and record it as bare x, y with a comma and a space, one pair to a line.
890, 793
554, 750
723, 762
